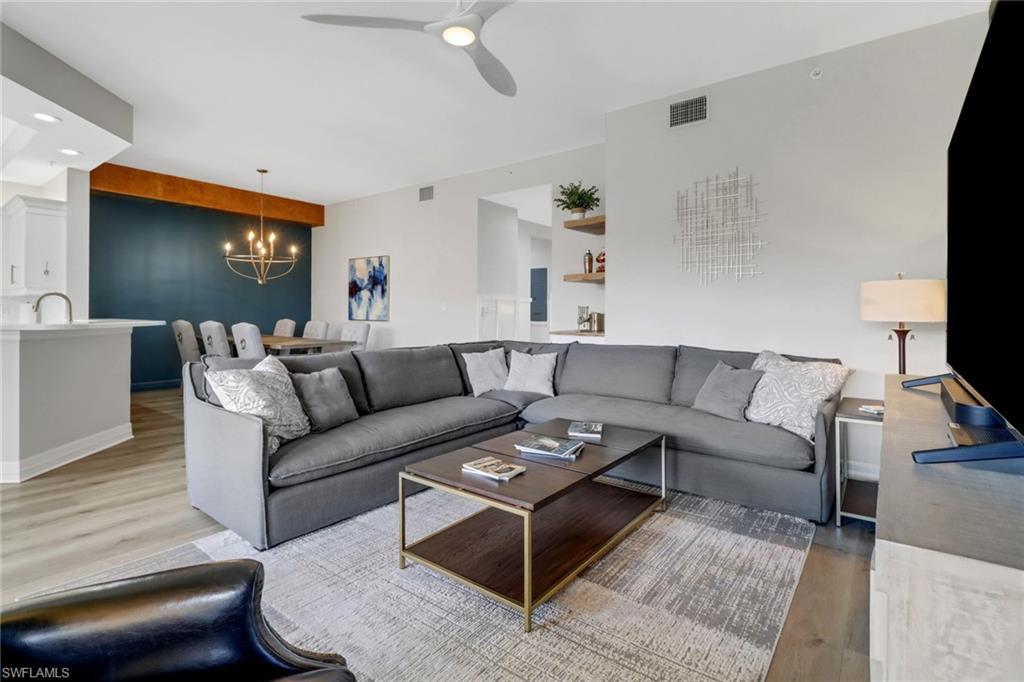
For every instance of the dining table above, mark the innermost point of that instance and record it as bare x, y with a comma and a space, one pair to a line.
283, 345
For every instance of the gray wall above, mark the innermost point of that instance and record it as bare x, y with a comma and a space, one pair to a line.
852, 172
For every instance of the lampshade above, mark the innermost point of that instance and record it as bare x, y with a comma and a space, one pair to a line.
903, 300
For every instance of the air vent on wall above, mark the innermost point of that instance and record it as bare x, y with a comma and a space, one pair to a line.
426, 193
688, 111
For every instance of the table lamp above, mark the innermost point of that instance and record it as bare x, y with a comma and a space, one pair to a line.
902, 301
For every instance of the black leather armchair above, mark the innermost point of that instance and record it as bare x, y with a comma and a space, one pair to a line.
200, 622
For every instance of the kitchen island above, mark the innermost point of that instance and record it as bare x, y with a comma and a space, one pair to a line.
65, 392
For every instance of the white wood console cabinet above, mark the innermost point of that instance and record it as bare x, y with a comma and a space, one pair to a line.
947, 574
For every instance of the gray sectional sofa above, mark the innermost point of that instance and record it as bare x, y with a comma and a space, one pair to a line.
416, 403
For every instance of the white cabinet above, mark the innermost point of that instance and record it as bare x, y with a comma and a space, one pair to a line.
34, 246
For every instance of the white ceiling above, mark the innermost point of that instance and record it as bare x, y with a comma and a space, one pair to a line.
30, 147
220, 89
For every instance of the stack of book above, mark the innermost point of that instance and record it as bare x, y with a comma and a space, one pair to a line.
547, 446
587, 431
492, 467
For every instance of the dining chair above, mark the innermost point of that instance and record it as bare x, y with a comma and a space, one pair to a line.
356, 331
315, 329
248, 340
185, 338
215, 338
284, 327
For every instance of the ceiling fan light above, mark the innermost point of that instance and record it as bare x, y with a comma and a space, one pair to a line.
459, 36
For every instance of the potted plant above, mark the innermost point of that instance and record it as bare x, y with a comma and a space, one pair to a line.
577, 199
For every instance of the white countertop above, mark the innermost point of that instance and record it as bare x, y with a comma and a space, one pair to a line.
78, 325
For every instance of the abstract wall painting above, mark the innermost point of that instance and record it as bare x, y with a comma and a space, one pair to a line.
717, 228
369, 288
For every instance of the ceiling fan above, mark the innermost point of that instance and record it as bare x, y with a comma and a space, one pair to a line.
461, 28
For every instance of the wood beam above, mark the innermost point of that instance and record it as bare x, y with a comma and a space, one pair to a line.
114, 179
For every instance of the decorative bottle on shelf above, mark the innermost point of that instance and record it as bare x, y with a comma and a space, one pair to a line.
588, 262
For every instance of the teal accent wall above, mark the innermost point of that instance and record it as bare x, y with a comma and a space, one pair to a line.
155, 260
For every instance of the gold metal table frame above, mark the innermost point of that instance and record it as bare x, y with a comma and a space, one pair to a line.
404, 553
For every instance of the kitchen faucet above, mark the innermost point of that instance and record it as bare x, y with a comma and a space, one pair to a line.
35, 307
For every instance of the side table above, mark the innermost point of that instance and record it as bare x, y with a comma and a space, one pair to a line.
854, 499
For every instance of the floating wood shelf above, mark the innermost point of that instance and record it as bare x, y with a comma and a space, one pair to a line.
593, 225
593, 277
576, 332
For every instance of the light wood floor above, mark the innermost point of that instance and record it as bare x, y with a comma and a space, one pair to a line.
129, 502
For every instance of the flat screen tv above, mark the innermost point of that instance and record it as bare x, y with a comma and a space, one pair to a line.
985, 256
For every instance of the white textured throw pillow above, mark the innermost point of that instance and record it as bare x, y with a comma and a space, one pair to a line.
532, 373
487, 371
265, 391
791, 393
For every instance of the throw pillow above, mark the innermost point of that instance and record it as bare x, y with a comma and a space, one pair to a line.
532, 373
487, 370
325, 398
726, 392
791, 393
265, 391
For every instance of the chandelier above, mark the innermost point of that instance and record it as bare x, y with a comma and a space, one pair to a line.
261, 257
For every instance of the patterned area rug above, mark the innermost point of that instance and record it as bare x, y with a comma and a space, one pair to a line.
699, 592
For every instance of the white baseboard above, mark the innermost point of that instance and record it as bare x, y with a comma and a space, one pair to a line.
862, 471
42, 462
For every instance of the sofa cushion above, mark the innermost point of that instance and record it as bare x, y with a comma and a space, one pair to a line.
638, 372
726, 392
693, 365
686, 429
472, 347
517, 399
790, 394
325, 398
531, 348
532, 373
265, 391
487, 371
407, 376
384, 434
299, 364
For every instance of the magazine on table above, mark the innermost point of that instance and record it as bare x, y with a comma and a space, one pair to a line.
548, 446
586, 431
492, 467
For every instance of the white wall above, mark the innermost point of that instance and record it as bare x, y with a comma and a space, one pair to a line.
433, 249
852, 173
497, 246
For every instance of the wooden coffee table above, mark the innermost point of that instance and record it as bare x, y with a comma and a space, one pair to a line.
540, 529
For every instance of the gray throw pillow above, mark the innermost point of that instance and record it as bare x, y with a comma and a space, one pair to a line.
486, 371
264, 391
532, 373
726, 392
325, 398
790, 393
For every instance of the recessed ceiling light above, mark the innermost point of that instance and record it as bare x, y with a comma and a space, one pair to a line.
45, 118
459, 36
69, 152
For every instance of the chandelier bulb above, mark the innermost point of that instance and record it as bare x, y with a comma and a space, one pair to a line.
294, 249
272, 237
227, 247
252, 235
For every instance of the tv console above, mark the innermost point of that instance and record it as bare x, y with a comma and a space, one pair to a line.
977, 431
947, 578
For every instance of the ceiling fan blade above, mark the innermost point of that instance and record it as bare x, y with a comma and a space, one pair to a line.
491, 68
487, 8
365, 22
